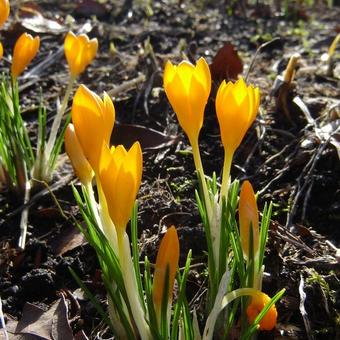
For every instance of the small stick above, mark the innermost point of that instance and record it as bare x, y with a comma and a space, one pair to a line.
260, 48
127, 85
24, 217
303, 310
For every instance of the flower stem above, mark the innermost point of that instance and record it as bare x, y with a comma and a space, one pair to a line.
228, 157
131, 284
200, 170
59, 117
106, 223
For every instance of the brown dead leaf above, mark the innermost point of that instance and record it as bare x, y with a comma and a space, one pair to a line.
226, 64
33, 20
38, 324
67, 241
149, 139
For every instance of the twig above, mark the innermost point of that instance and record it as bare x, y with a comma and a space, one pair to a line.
40, 194
307, 172
260, 48
303, 310
2, 322
24, 216
128, 85
292, 239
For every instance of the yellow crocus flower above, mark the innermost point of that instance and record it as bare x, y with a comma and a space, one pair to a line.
25, 50
257, 303
248, 217
236, 108
1, 51
120, 174
167, 257
187, 88
93, 120
79, 52
74, 151
4, 11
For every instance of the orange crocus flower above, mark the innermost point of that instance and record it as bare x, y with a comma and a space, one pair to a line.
93, 120
25, 50
120, 174
257, 303
4, 11
187, 88
79, 52
167, 257
236, 108
248, 217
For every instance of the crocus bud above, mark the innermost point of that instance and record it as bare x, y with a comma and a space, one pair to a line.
257, 303
120, 174
25, 50
1, 51
79, 52
187, 88
236, 108
4, 11
93, 121
167, 257
74, 151
248, 217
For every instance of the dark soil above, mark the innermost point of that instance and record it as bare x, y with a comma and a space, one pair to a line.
290, 161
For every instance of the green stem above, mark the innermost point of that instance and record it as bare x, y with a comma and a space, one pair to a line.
93, 203
106, 223
131, 284
200, 170
228, 157
58, 118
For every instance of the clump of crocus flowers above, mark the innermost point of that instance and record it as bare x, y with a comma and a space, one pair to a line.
142, 307
187, 87
143, 312
20, 167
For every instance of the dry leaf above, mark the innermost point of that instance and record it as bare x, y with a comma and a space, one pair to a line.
226, 64
33, 20
38, 324
67, 241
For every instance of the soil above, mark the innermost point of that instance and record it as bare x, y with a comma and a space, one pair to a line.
292, 160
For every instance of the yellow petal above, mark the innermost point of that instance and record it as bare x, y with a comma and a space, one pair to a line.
4, 11
1, 51
167, 257
74, 151
185, 71
202, 74
25, 50
109, 115
169, 73
248, 217
87, 117
175, 92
